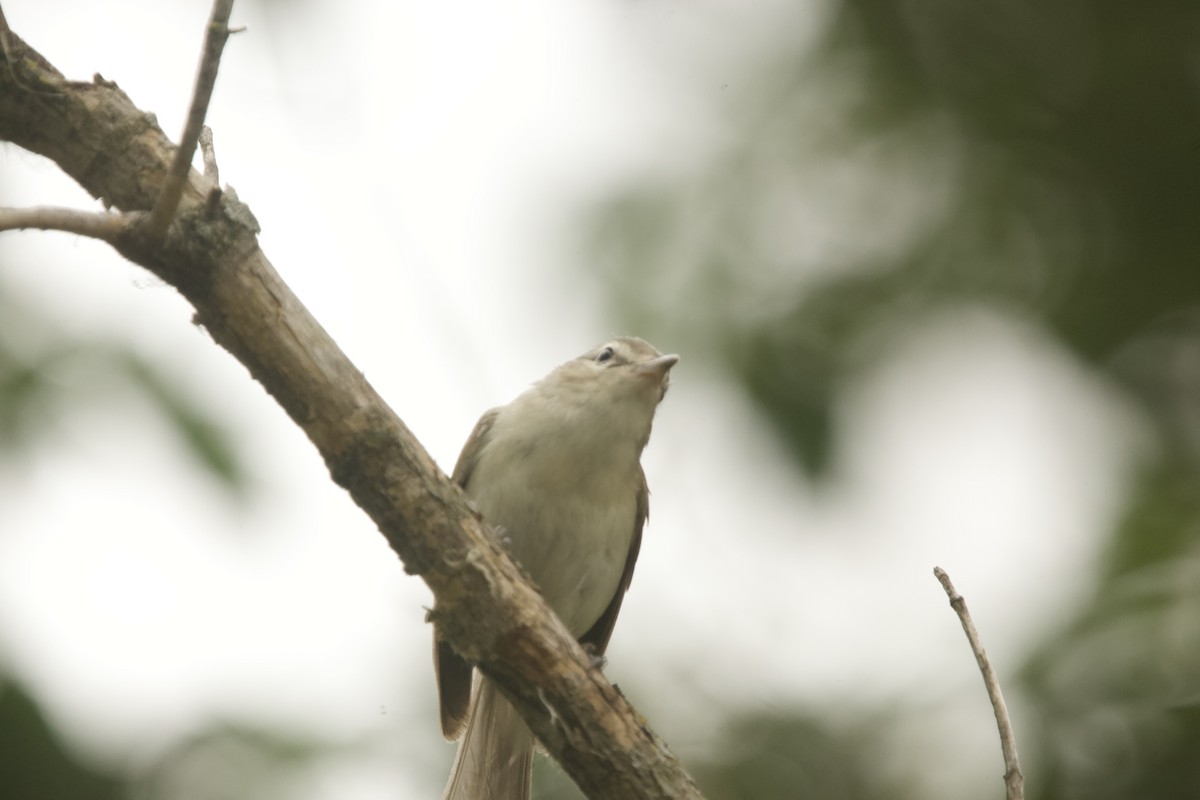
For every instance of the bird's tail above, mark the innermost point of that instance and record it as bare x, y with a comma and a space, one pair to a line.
495, 755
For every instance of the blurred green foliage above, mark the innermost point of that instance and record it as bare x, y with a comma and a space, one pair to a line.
1042, 159
229, 761
766, 755
46, 375
34, 763
777, 756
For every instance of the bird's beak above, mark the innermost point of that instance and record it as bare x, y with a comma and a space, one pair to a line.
657, 367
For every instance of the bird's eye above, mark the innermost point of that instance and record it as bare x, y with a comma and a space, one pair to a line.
605, 355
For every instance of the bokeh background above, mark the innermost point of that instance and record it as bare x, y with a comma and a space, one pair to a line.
933, 270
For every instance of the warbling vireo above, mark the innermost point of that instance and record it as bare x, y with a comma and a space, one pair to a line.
557, 473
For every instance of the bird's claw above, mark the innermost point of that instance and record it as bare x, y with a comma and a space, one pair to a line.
595, 660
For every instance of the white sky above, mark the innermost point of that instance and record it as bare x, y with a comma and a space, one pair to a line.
414, 167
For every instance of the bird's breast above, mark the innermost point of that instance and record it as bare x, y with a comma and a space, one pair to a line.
567, 518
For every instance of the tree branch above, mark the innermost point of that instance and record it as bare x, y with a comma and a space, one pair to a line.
105, 227
483, 606
206, 78
1014, 780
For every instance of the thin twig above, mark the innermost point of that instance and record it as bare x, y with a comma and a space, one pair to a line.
206, 77
1014, 780
96, 225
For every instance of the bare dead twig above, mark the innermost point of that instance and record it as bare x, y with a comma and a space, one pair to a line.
96, 225
1014, 780
206, 78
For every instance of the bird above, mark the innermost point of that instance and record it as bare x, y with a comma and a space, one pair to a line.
557, 475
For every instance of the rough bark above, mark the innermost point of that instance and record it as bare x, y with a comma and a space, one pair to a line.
486, 609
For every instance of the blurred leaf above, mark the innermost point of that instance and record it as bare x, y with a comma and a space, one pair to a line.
762, 756
204, 438
1117, 689
46, 376
22, 390
33, 763
1161, 525
773, 755
231, 762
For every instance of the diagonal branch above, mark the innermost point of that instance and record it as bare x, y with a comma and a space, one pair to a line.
483, 606
206, 78
1014, 780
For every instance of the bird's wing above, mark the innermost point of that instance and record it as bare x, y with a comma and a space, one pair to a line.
598, 635
452, 670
